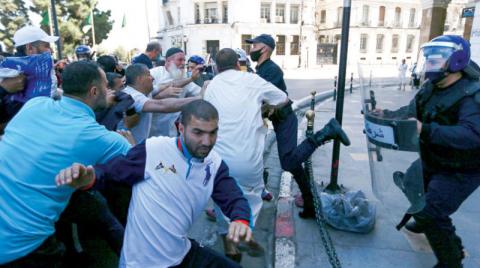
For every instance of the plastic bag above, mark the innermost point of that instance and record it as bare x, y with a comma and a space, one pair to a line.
349, 212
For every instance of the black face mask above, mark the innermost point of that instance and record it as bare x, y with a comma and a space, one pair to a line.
255, 55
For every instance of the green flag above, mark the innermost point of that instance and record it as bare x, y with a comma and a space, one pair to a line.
88, 23
45, 18
124, 21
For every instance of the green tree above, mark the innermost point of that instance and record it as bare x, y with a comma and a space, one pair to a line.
71, 16
13, 15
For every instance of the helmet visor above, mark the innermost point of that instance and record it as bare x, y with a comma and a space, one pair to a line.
434, 58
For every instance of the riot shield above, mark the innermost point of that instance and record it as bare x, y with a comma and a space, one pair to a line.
393, 145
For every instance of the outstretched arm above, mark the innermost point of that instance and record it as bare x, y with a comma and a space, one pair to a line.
128, 169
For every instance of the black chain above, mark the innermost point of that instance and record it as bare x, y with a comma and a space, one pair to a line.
317, 202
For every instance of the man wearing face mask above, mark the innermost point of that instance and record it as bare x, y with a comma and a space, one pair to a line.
448, 121
172, 76
285, 124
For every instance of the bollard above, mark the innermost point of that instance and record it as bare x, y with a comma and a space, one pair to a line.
351, 84
335, 89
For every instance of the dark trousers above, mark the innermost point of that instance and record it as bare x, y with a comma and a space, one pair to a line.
48, 254
292, 156
90, 211
203, 257
445, 193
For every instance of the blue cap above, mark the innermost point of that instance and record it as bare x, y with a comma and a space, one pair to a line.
196, 59
263, 38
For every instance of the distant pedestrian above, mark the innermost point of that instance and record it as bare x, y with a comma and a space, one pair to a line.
402, 75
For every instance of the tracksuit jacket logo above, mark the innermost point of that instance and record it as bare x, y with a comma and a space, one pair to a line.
166, 169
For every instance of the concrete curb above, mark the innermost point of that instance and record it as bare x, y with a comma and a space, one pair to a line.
284, 227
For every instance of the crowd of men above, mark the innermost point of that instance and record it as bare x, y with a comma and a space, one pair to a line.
77, 151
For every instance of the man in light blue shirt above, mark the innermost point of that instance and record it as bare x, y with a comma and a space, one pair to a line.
44, 137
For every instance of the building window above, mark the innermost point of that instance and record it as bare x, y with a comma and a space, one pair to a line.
398, 15
280, 13
322, 39
363, 42
294, 14
197, 14
410, 41
339, 17
381, 16
294, 46
395, 42
225, 12
280, 44
178, 16
380, 39
211, 12
323, 16
169, 18
246, 46
411, 20
213, 46
365, 16
265, 13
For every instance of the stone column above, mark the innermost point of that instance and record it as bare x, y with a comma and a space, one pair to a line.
433, 19
219, 11
273, 13
201, 6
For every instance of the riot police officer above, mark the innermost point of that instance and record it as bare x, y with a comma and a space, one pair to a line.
448, 121
84, 52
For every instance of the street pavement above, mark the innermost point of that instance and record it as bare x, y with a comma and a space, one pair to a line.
384, 246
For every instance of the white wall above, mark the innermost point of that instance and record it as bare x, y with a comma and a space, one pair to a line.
475, 36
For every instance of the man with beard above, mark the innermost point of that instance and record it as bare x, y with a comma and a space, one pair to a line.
172, 74
139, 83
285, 125
44, 137
173, 180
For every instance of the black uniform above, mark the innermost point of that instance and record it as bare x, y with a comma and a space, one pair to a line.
450, 150
285, 124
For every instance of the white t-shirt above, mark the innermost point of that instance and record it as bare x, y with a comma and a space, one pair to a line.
165, 205
402, 70
142, 129
238, 97
166, 121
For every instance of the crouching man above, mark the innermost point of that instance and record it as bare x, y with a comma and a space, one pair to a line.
173, 180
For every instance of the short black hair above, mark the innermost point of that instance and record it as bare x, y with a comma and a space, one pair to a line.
134, 71
111, 78
153, 45
200, 109
79, 76
226, 59
107, 63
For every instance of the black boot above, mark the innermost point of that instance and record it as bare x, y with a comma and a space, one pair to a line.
414, 227
308, 208
447, 247
332, 130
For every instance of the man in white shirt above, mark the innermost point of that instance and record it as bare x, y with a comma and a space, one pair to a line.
402, 75
172, 74
140, 85
238, 97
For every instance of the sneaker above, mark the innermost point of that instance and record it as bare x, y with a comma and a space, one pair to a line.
299, 200
266, 195
211, 216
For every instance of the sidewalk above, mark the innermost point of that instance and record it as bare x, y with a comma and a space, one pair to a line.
384, 246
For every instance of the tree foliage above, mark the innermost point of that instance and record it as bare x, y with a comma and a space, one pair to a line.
13, 15
72, 15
